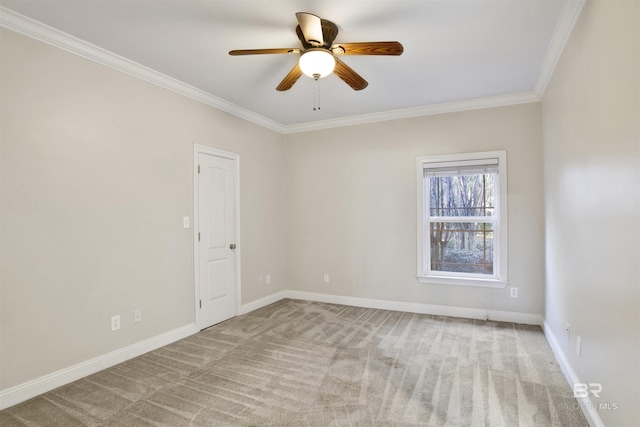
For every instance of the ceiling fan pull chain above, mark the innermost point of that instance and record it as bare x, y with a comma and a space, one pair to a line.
315, 90
316, 93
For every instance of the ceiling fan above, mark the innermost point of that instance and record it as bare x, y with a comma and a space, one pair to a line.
319, 56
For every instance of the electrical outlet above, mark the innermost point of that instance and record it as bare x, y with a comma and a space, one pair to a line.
262, 280
137, 315
326, 278
579, 346
185, 222
115, 322
268, 279
567, 328
514, 292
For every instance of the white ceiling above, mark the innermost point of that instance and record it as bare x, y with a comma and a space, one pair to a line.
454, 51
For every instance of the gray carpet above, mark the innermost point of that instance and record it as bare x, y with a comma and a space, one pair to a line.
298, 363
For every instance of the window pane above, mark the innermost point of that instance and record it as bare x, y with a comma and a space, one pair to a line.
462, 195
463, 247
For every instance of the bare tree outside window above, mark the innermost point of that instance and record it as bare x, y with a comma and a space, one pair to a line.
458, 245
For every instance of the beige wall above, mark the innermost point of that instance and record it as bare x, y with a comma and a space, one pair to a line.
591, 122
352, 206
96, 176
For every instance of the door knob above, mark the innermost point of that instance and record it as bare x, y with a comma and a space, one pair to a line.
232, 246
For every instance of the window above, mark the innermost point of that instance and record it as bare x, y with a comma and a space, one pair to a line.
462, 219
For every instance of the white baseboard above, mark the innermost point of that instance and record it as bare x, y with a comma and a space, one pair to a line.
515, 317
587, 406
411, 307
35, 387
262, 302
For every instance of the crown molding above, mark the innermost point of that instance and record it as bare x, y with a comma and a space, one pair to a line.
564, 27
405, 113
44, 33
39, 31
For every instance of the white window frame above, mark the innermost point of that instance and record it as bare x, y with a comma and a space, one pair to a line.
499, 279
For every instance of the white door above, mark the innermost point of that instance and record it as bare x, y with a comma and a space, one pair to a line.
216, 239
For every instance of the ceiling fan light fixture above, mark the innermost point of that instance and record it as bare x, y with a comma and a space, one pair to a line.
319, 56
317, 63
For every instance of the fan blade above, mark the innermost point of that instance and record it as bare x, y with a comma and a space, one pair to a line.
349, 76
262, 51
368, 48
311, 27
290, 79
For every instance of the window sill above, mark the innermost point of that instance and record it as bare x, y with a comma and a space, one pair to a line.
457, 281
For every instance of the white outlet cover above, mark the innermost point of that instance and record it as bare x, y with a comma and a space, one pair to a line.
185, 222
115, 323
137, 316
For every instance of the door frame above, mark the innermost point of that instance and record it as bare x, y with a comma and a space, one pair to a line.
203, 149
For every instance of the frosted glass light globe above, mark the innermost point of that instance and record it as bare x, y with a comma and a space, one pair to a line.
317, 62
